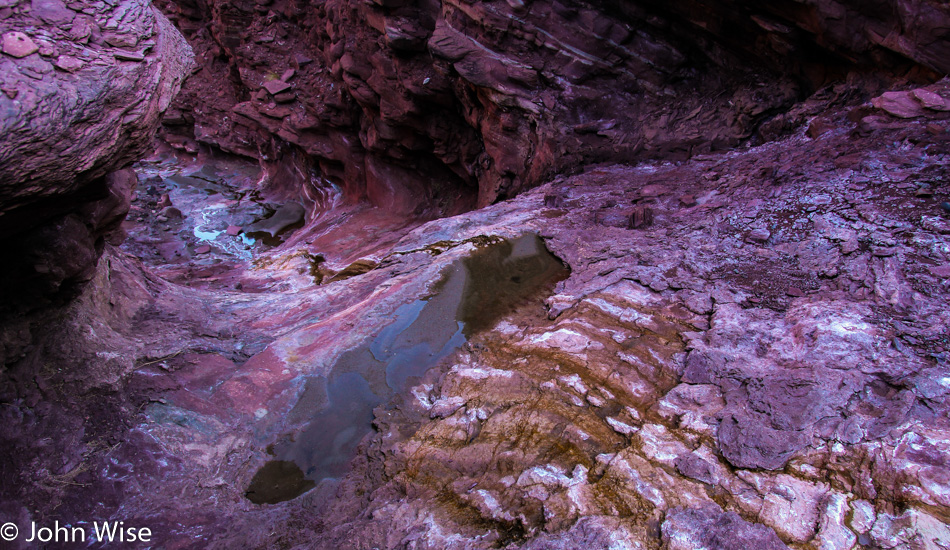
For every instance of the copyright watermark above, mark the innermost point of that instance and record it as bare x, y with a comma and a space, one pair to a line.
106, 531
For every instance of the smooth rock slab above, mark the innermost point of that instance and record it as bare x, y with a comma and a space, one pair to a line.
285, 216
276, 86
68, 63
53, 12
122, 55
899, 104
931, 100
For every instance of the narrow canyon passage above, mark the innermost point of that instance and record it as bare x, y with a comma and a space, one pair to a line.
452, 275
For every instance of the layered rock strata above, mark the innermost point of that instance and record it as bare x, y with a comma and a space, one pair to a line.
438, 106
750, 351
84, 87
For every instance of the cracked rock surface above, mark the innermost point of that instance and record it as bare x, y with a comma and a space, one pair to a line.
735, 334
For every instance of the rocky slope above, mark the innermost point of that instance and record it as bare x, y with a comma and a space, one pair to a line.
741, 348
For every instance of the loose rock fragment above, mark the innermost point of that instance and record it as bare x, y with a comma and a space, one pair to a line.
18, 44
53, 12
760, 235
899, 104
642, 216
276, 86
931, 100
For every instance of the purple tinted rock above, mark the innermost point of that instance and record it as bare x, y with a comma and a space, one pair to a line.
711, 528
68, 63
53, 12
122, 55
641, 217
703, 366
276, 86
82, 28
695, 467
759, 235
899, 104
121, 40
554, 201
171, 213
931, 100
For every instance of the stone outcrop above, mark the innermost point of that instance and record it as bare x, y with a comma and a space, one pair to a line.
742, 349
442, 105
84, 86
759, 363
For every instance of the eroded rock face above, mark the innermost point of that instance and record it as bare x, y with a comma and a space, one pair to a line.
87, 100
84, 86
763, 365
749, 350
432, 106
709, 527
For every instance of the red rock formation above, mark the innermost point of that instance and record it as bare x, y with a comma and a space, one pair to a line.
84, 87
750, 350
414, 104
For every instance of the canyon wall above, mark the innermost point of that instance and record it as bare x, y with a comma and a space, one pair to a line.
84, 88
749, 351
441, 106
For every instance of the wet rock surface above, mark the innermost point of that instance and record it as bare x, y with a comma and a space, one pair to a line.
762, 365
471, 296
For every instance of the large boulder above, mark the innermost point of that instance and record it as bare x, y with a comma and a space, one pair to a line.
83, 87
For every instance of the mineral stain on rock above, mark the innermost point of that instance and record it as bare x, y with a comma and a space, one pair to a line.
473, 294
